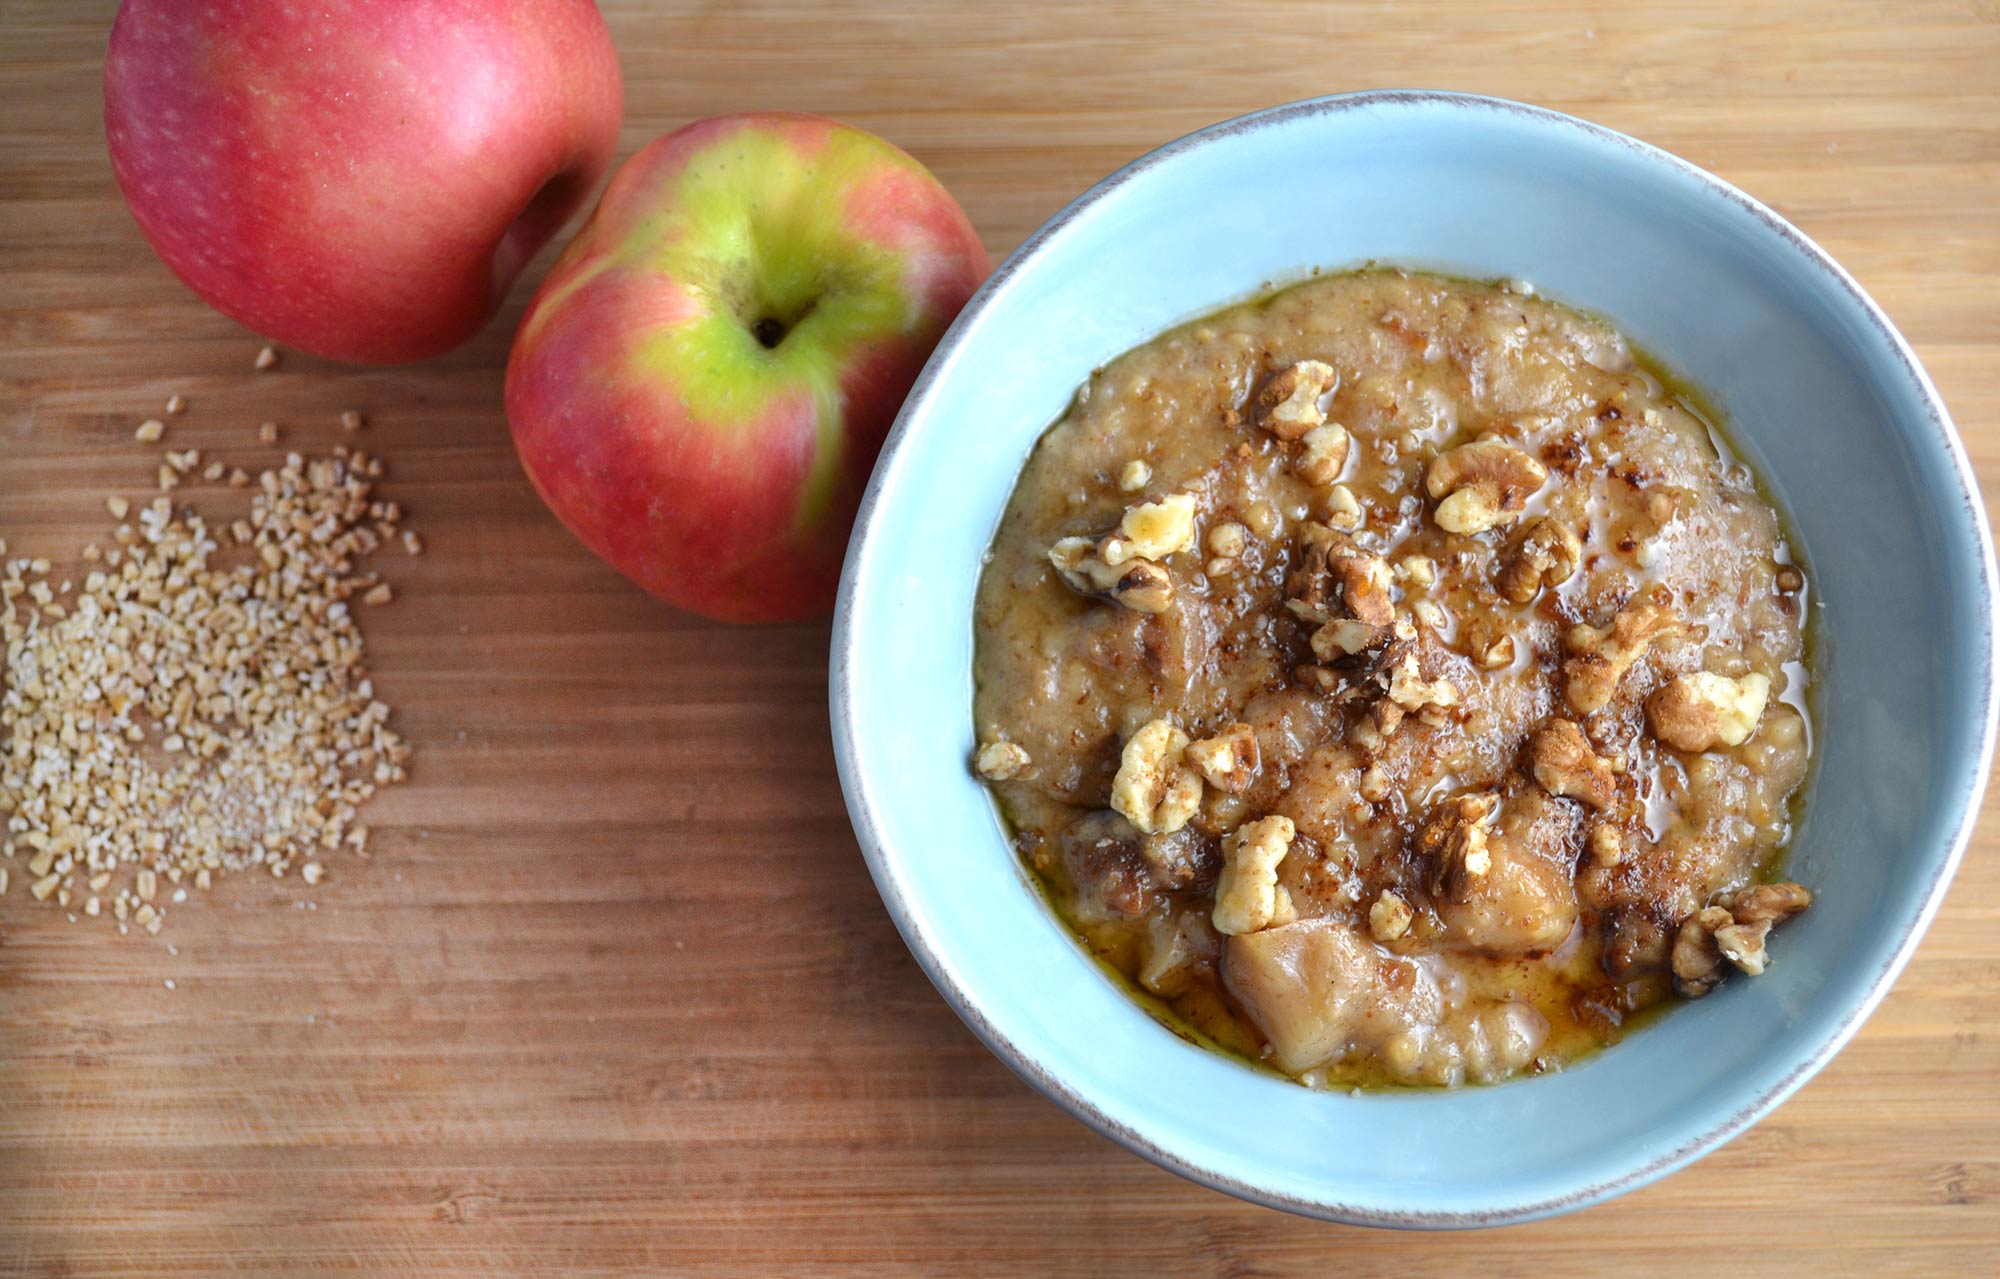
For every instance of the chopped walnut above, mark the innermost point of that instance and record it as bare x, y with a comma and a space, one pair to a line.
1602, 655
1341, 509
1607, 845
1453, 839
1229, 760
1390, 917
1563, 763
1001, 761
1344, 637
1410, 690
1140, 585
1697, 961
1336, 578
1481, 485
1287, 405
1699, 711
1775, 902
1548, 555
1248, 897
1228, 539
1136, 475
1734, 930
1322, 454
1154, 789
1151, 531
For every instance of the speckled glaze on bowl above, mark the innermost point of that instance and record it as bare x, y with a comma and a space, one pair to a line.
1823, 395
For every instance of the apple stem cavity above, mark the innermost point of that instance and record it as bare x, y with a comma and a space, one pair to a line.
768, 332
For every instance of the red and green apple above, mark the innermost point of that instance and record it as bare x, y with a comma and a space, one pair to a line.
361, 179
701, 385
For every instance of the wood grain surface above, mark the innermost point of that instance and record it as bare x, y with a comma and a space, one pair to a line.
615, 995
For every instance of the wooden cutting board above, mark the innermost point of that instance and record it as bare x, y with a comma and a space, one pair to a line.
615, 995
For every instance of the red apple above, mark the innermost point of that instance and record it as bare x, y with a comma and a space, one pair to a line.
362, 179
701, 385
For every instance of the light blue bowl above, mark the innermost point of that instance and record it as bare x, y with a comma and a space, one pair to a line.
1822, 393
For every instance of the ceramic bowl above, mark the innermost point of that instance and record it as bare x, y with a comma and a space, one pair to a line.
1824, 397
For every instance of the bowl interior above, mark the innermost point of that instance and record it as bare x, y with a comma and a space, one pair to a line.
1821, 397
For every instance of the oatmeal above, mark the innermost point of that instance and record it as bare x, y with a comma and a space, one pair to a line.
1393, 679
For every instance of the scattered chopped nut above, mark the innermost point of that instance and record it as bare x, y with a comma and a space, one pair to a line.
1390, 917
1228, 539
1416, 570
1548, 554
1136, 475
42, 888
380, 593
351, 420
1336, 578
312, 873
1287, 405
1773, 902
1151, 531
1229, 760
1154, 789
267, 358
1789, 580
150, 431
1344, 637
1453, 838
1341, 509
1607, 845
1734, 929
1409, 690
1481, 485
176, 404
1002, 761
118, 507
1140, 585
267, 433
1322, 454
1248, 897
1603, 655
1563, 763
1699, 711
1697, 961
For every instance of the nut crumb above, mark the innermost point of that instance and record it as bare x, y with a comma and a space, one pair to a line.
1135, 476
1248, 897
1001, 761
1154, 789
1228, 761
380, 593
176, 404
150, 431
267, 358
267, 433
1390, 917
351, 420
1287, 404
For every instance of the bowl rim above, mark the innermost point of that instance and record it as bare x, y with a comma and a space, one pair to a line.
861, 805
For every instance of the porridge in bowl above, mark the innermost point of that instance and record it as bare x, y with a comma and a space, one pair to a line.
1394, 680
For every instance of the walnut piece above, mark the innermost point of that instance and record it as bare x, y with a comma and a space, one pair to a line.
1322, 454
1248, 897
1151, 531
1228, 539
1135, 475
1548, 555
1140, 585
1697, 961
1390, 917
1229, 760
1482, 485
1563, 763
1001, 761
1341, 509
1336, 578
1453, 839
1602, 655
1699, 711
1287, 405
1410, 690
1153, 789
1732, 932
